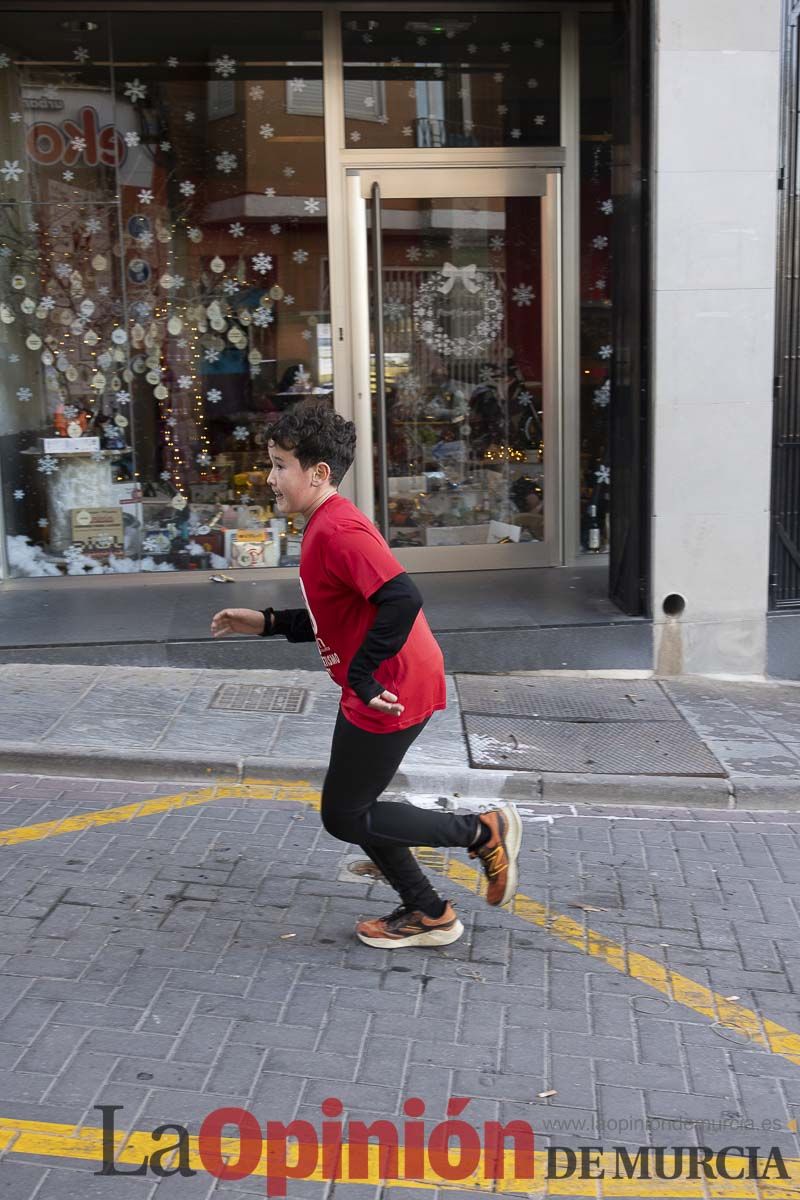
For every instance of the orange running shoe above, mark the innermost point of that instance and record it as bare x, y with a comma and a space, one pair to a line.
409, 927
499, 854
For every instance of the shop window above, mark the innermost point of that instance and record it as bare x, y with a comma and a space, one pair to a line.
163, 285
596, 342
458, 79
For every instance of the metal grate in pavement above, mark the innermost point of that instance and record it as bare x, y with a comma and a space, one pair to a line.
566, 699
599, 748
259, 697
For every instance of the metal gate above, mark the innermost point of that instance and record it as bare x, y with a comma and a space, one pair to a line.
784, 580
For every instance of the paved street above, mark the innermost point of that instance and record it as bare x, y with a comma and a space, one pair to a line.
173, 951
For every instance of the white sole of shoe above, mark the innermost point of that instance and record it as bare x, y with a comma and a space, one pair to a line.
513, 843
435, 937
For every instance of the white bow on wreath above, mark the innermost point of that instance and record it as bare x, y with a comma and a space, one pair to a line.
467, 275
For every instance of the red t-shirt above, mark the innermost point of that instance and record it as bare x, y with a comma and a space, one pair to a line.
343, 561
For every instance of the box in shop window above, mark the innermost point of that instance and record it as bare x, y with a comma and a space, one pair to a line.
250, 548
98, 531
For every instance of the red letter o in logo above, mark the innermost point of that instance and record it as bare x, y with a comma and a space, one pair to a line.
45, 143
250, 1143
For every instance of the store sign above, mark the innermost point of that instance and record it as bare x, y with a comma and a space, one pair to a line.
49, 143
67, 445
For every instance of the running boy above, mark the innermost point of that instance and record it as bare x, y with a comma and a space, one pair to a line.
365, 615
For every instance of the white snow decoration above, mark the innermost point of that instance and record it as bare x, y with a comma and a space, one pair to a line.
166, 475
171, 421
230, 287
369, 101
150, 564
80, 54
135, 90
275, 228
505, 47
47, 464
203, 458
256, 92
266, 130
607, 207
262, 262
497, 242
28, 560
306, 335
189, 116
19, 494
602, 395
516, 133
539, 119
172, 61
407, 131
43, 522
165, 145
538, 43
394, 310
533, 83
4, 61
297, 85
93, 225
226, 162
288, 172
288, 299
498, 77
471, 48
145, 239
311, 205
241, 433
211, 355
11, 171
145, 196
186, 187
603, 474
522, 295
79, 144
262, 317
79, 563
300, 256
225, 65
413, 253
236, 229
383, 119
132, 138
194, 234
355, 136
600, 284
430, 323
63, 270
185, 381
123, 397
600, 242
24, 394
68, 176
269, 191
213, 395
605, 351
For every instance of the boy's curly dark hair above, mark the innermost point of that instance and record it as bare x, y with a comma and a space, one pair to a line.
315, 433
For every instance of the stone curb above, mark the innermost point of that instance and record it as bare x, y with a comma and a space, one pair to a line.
738, 792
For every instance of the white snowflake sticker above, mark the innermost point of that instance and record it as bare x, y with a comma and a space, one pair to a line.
184, 381
603, 474
300, 256
47, 464
135, 90
605, 351
24, 394
600, 242
19, 494
523, 295
311, 205
262, 262
213, 395
186, 187
225, 66
263, 316
145, 196
226, 162
241, 433
607, 207
236, 229
266, 130
11, 171
256, 92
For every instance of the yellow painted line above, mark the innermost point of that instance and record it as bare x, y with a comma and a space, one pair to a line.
677, 987
47, 1140
263, 789
728, 1014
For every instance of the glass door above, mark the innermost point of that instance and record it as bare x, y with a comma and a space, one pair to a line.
463, 289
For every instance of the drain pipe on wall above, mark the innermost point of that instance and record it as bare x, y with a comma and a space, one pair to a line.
669, 659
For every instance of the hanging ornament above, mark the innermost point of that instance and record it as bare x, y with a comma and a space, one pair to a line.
91, 338
33, 341
160, 392
74, 429
121, 421
276, 292
18, 282
6, 315
137, 334
153, 377
98, 381
119, 355
99, 262
28, 306
119, 337
71, 374
86, 307
174, 325
217, 264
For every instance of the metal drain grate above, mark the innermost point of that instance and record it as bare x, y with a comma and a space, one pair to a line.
566, 699
258, 697
599, 748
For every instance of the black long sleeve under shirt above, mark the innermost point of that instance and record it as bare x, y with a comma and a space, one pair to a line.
398, 603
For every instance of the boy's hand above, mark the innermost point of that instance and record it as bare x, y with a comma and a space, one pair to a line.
387, 703
237, 620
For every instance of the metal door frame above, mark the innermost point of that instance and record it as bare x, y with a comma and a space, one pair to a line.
428, 182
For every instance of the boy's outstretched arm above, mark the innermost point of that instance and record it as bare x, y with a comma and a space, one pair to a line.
293, 623
398, 603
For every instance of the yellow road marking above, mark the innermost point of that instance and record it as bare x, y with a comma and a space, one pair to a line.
728, 1014
48, 1140
265, 789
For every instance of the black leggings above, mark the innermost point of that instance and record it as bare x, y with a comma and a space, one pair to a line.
362, 765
